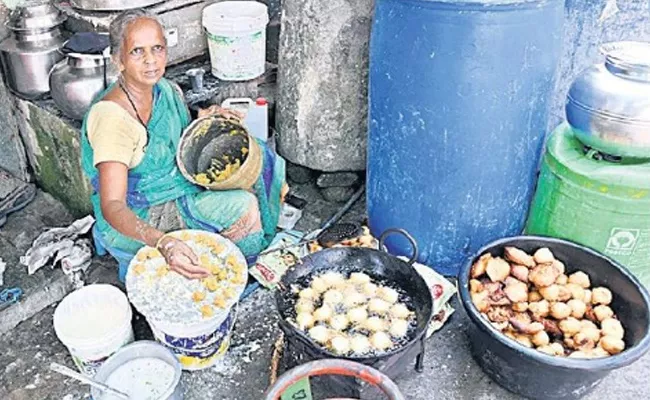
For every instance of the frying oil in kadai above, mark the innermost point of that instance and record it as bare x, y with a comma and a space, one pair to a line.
142, 379
324, 332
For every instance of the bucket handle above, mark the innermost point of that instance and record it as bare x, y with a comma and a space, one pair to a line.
403, 232
335, 366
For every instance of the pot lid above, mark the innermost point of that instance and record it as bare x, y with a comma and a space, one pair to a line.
40, 17
86, 60
628, 58
88, 43
86, 56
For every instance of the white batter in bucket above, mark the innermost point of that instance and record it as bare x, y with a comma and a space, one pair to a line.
142, 379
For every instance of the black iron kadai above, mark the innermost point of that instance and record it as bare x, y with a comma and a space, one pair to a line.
381, 267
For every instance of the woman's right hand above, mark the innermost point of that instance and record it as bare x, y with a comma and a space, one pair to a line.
215, 109
284, 192
181, 258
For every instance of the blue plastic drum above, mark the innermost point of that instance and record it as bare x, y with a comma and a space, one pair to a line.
459, 102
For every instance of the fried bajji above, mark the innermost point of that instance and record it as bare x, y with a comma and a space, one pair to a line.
535, 301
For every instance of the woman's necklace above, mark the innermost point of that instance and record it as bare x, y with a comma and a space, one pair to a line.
137, 114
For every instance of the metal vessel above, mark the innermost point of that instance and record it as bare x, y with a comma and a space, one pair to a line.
28, 55
608, 105
76, 80
138, 350
39, 17
112, 5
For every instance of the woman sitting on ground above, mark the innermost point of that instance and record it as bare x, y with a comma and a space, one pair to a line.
129, 141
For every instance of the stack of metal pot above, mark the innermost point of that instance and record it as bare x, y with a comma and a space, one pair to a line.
77, 79
608, 104
28, 55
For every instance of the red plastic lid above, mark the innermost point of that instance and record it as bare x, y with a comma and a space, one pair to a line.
261, 101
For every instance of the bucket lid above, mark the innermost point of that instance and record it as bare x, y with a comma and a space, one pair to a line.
40, 17
91, 314
235, 16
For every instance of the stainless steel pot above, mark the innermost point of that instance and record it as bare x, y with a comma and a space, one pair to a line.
112, 5
27, 56
27, 59
76, 80
608, 104
35, 18
141, 349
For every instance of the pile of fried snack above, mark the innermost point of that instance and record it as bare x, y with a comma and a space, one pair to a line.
533, 300
354, 314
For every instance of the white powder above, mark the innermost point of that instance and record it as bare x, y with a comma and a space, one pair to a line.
141, 379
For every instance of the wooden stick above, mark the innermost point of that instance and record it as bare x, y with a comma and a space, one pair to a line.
278, 349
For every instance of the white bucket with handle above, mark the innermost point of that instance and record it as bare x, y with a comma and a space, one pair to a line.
93, 323
236, 33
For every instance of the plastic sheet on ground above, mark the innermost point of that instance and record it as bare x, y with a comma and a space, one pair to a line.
269, 268
66, 246
441, 290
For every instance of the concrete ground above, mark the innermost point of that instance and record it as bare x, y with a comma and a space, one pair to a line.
46, 286
450, 372
28, 348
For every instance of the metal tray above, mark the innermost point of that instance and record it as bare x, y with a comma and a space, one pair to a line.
112, 5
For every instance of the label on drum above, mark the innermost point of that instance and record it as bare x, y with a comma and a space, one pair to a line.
632, 248
300, 390
629, 243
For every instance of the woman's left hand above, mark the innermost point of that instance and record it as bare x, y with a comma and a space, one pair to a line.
215, 109
284, 192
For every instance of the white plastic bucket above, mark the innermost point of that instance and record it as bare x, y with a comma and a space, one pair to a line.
236, 33
93, 323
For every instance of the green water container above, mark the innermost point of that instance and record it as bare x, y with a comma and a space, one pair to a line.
602, 204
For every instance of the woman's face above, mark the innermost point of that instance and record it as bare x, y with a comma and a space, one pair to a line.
144, 53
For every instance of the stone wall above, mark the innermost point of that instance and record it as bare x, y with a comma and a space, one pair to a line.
54, 150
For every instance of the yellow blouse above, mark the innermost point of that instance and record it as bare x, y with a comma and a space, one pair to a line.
115, 135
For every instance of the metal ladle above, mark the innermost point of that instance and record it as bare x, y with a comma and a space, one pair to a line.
61, 369
326, 229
